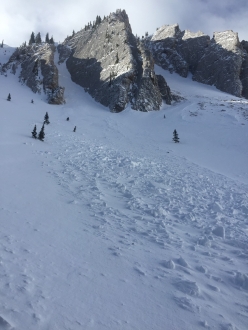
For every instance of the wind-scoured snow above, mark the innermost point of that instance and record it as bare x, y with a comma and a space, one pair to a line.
115, 226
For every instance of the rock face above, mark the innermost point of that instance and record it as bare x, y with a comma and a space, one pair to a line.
113, 66
221, 61
177, 51
38, 70
221, 64
244, 69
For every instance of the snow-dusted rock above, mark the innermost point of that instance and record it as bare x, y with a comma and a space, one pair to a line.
221, 61
163, 46
178, 51
244, 69
221, 64
38, 70
191, 46
113, 66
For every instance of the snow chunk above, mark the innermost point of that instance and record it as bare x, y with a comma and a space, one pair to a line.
182, 262
242, 280
188, 287
169, 264
219, 231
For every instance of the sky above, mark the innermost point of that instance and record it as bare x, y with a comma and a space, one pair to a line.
18, 18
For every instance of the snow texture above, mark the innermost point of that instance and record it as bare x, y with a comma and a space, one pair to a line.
114, 226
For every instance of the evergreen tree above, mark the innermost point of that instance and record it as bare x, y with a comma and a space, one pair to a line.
46, 119
38, 38
47, 38
175, 136
2, 44
32, 101
42, 133
9, 97
32, 39
34, 133
51, 41
73, 32
74, 130
117, 58
98, 20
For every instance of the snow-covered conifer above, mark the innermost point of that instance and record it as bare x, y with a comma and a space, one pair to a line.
34, 132
32, 39
47, 38
46, 119
42, 133
38, 38
175, 136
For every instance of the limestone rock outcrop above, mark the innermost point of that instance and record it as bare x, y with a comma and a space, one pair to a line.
177, 51
38, 70
221, 64
221, 61
113, 66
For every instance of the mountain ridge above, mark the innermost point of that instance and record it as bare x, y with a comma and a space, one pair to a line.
116, 68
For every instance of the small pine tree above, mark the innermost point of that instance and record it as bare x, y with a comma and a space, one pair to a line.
74, 130
46, 119
47, 38
34, 133
32, 39
117, 58
32, 101
73, 32
9, 97
2, 44
38, 38
175, 136
51, 41
42, 133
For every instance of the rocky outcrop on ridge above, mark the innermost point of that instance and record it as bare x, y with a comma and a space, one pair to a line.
177, 51
113, 66
221, 61
221, 64
38, 70
244, 69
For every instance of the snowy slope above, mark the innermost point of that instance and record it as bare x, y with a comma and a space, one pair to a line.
115, 226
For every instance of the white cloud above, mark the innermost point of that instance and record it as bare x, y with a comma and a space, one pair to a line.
18, 18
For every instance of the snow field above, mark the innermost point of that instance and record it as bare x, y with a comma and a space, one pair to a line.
116, 227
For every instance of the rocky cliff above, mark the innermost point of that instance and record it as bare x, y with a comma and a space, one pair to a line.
38, 70
221, 61
116, 68
113, 66
177, 51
